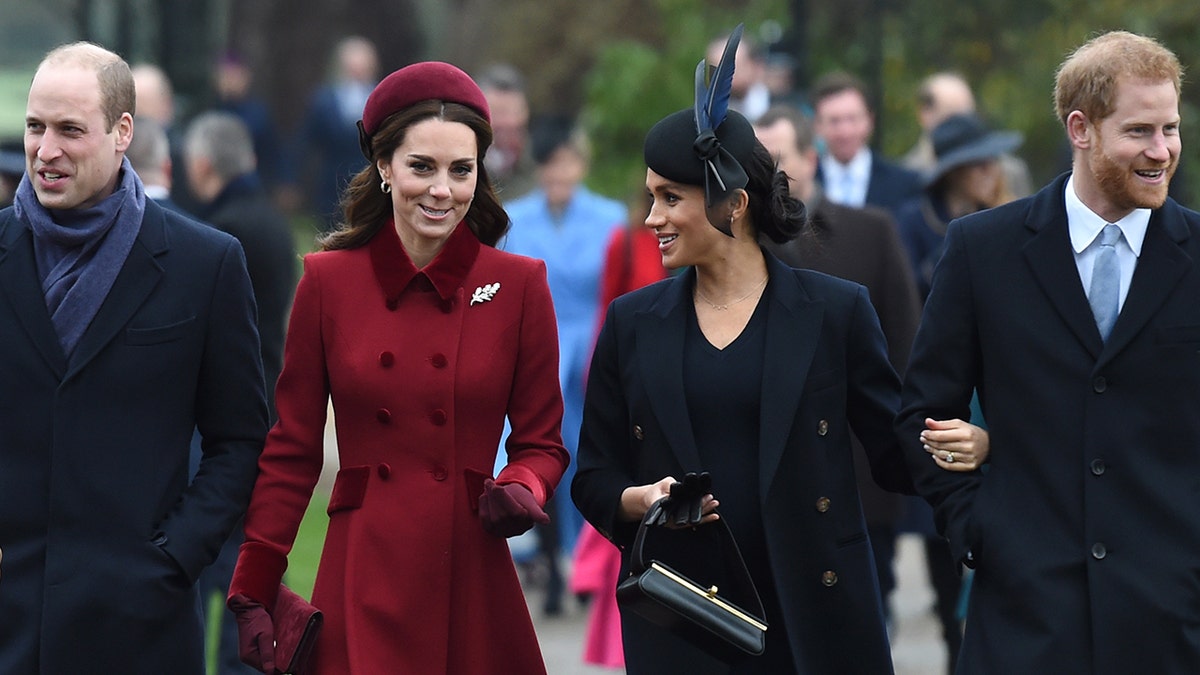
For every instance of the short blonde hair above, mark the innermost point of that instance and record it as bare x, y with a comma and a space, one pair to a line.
1087, 80
116, 81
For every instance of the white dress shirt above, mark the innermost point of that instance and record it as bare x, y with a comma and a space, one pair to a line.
1085, 226
847, 184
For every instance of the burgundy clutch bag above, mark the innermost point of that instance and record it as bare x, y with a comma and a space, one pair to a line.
296, 623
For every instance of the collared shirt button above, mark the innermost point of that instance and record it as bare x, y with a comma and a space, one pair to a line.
386, 359
829, 578
1098, 467
439, 360
822, 504
822, 427
438, 417
1099, 551
384, 470
383, 415
638, 433
439, 473
1099, 385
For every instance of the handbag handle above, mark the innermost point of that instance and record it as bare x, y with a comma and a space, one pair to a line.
733, 554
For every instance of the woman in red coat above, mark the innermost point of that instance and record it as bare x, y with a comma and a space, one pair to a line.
425, 337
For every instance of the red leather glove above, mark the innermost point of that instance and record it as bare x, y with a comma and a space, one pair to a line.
508, 510
256, 633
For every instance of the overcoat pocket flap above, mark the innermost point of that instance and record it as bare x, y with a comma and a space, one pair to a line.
349, 488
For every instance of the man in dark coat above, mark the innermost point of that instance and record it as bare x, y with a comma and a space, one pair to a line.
221, 173
1083, 530
328, 138
221, 170
860, 245
126, 328
851, 173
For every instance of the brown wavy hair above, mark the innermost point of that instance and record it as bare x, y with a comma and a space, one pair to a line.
365, 208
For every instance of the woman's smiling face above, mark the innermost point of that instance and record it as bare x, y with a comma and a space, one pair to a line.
433, 174
678, 217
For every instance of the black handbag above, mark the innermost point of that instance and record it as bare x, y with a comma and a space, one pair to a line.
693, 611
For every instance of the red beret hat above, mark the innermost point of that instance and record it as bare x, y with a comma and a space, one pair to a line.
425, 81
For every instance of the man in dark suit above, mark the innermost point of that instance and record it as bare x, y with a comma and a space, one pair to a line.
127, 327
850, 172
221, 172
1083, 530
220, 167
860, 245
328, 137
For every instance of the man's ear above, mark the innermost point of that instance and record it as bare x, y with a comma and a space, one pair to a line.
124, 129
1079, 130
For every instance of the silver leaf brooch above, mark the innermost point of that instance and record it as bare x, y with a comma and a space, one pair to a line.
485, 292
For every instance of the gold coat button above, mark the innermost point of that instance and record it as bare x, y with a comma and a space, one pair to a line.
822, 428
637, 432
823, 504
829, 578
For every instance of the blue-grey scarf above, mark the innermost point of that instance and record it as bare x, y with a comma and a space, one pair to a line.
80, 251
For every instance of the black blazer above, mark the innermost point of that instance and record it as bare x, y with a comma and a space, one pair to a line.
861, 245
826, 371
103, 534
1084, 529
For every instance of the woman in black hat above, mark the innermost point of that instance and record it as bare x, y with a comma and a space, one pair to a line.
967, 177
755, 373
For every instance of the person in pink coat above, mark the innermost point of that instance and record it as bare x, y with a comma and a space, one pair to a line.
425, 337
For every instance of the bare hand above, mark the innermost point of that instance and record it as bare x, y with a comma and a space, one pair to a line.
955, 445
637, 500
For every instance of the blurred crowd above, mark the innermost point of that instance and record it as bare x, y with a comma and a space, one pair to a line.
877, 220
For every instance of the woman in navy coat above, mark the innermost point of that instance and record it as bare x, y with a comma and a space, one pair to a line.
756, 373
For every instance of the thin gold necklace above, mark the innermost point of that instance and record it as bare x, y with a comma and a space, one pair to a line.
722, 308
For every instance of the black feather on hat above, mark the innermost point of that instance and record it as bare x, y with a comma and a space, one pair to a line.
708, 144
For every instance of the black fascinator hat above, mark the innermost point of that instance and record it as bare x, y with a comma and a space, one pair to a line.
708, 144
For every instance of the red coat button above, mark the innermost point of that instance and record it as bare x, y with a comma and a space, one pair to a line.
383, 415
439, 360
392, 304
447, 305
439, 473
384, 471
386, 359
438, 417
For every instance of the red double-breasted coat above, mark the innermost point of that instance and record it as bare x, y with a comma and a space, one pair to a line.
422, 366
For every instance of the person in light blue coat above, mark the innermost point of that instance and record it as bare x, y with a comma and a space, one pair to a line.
568, 226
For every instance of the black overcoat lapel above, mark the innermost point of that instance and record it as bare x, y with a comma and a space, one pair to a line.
139, 276
1160, 267
660, 333
1052, 261
20, 286
793, 330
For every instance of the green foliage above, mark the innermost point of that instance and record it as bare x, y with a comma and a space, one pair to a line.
1008, 50
634, 84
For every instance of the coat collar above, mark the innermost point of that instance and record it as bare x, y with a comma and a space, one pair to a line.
793, 328
137, 279
394, 270
1160, 267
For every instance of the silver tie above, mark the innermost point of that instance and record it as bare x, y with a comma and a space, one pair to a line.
1105, 293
